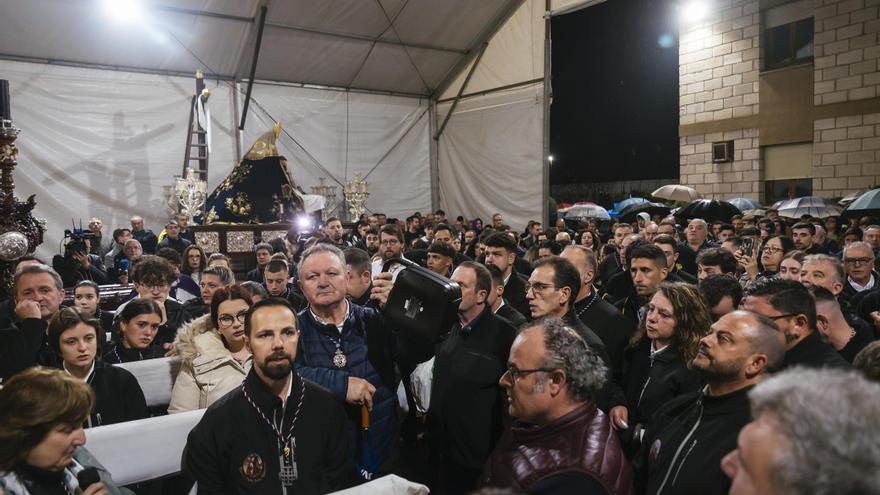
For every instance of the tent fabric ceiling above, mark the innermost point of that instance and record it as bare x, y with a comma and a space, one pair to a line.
397, 46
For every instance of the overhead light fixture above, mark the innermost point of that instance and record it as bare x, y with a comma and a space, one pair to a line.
694, 11
550, 159
124, 11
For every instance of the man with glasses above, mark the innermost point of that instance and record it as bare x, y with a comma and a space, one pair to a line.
390, 246
152, 278
560, 442
466, 416
858, 259
791, 306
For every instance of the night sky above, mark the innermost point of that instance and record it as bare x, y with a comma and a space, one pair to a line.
615, 93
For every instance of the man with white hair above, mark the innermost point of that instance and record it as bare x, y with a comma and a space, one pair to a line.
560, 442
696, 240
858, 259
814, 432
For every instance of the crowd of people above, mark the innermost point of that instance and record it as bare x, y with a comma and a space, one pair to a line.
658, 356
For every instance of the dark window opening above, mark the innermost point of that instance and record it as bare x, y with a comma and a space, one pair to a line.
777, 190
788, 44
722, 152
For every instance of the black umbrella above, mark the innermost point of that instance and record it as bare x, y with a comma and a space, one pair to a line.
629, 213
710, 210
865, 205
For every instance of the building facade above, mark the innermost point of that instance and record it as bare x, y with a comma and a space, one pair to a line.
781, 99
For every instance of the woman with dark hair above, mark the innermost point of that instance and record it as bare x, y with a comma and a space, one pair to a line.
42, 412
194, 262
213, 352
87, 297
658, 359
765, 261
590, 239
138, 323
76, 337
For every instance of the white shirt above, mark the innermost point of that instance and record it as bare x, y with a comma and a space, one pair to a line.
862, 288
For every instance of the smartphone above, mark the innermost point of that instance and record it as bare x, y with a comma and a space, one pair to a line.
747, 246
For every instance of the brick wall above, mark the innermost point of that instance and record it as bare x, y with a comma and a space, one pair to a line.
719, 63
846, 154
739, 178
846, 51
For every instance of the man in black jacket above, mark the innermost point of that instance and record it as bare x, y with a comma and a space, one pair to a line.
466, 415
153, 277
277, 433
614, 330
501, 252
38, 295
146, 237
263, 253
496, 299
173, 239
793, 308
682, 449
647, 267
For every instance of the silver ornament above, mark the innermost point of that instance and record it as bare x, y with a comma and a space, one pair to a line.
13, 245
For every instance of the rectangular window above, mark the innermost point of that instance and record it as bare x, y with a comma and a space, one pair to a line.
777, 190
722, 152
788, 44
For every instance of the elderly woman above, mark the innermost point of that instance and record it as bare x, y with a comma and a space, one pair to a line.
76, 337
41, 436
658, 361
212, 349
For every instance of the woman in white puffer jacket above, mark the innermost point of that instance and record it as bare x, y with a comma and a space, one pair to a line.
214, 358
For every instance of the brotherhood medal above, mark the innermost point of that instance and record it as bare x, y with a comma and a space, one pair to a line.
339, 359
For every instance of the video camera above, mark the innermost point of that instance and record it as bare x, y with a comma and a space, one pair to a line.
76, 240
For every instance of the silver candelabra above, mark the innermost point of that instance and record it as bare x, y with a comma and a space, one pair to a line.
330, 201
356, 195
190, 193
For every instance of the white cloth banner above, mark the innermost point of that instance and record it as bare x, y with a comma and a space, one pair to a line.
383, 136
490, 157
103, 143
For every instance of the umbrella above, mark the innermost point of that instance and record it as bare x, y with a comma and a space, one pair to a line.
866, 204
710, 210
628, 201
367, 460
629, 213
758, 212
849, 198
585, 210
813, 206
744, 203
676, 192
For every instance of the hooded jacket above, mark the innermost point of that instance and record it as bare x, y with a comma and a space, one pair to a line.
208, 370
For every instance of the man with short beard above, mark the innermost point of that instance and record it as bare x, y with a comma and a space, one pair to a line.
277, 433
791, 306
683, 446
390, 246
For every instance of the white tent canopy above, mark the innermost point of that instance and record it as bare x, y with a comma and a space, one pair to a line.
359, 86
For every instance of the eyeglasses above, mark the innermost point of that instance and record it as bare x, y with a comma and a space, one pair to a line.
539, 288
516, 374
772, 249
154, 286
228, 320
857, 261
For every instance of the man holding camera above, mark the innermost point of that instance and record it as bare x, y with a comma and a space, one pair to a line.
78, 264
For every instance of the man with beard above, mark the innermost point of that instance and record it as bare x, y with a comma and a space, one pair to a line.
390, 246
335, 233
791, 306
683, 446
371, 241
501, 252
277, 433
